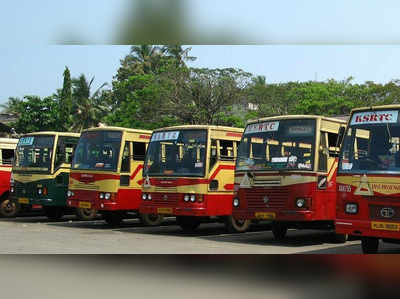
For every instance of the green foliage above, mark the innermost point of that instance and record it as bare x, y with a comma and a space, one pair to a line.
65, 102
35, 114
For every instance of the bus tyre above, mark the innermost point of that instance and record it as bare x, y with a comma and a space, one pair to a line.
340, 238
9, 208
151, 219
188, 223
279, 231
54, 213
85, 214
369, 245
113, 219
236, 225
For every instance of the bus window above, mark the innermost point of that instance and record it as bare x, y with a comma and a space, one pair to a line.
65, 150
126, 161
323, 153
7, 156
139, 151
332, 142
226, 150
213, 153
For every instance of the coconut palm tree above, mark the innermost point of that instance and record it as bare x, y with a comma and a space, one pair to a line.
88, 108
181, 55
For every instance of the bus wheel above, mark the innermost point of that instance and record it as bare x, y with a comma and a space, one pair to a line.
9, 208
85, 214
113, 218
339, 238
236, 225
369, 245
151, 219
54, 213
279, 231
188, 223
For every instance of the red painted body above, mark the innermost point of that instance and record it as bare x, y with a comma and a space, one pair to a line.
122, 199
368, 212
321, 204
5, 179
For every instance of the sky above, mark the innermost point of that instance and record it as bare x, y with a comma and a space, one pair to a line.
288, 40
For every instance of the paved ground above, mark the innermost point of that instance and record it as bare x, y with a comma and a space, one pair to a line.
69, 236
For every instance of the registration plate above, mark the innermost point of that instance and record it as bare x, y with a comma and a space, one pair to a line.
386, 226
85, 205
265, 215
23, 200
164, 210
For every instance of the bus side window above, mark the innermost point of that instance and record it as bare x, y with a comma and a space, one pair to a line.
65, 150
323, 153
226, 150
126, 161
332, 141
139, 151
213, 153
7, 156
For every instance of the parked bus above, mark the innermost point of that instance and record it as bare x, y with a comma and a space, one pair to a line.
7, 147
41, 172
189, 172
368, 204
286, 173
106, 173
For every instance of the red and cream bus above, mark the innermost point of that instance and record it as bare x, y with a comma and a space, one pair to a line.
106, 173
189, 173
7, 149
286, 172
368, 203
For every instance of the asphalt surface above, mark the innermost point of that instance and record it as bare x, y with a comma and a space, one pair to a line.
38, 235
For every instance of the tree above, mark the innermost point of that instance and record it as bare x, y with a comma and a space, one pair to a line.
34, 114
179, 54
89, 109
65, 101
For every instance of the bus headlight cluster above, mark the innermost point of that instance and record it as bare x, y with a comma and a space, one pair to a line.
42, 191
300, 202
106, 195
192, 198
146, 196
236, 202
12, 189
70, 193
351, 208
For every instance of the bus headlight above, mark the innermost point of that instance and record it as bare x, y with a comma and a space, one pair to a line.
70, 193
12, 189
236, 202
149, 196
39, 191
351, 208
186, 198
300, 203
107, 196
101, 195
144, 196
192, 198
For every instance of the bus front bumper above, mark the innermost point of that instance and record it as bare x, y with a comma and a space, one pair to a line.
175, 211
276, 215
367, 228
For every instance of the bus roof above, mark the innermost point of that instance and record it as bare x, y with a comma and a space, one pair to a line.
339, 119
53, 133
199, 127
119, 129
9, 140
376, 108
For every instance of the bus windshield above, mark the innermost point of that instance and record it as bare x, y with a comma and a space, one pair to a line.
98, 150
278, 145
371, 143
176, 153
34, 153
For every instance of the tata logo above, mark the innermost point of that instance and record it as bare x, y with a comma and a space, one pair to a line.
387, 213
165, 197
266, 200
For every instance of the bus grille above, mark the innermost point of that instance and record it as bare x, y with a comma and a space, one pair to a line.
82, 186
277, 197
158, 199
378, 212
19, 188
